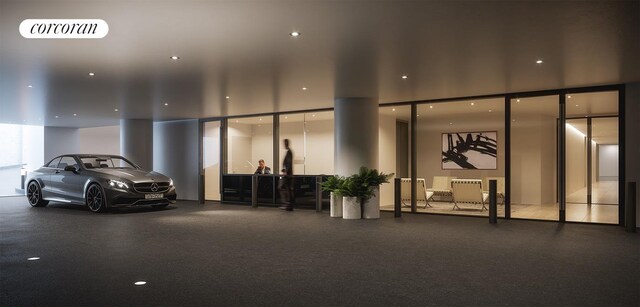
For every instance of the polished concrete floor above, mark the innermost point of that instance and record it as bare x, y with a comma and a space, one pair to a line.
212, 254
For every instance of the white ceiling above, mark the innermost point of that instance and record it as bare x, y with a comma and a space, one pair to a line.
242, 49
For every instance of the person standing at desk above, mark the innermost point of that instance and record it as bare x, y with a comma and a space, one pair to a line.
286, 184
262, 168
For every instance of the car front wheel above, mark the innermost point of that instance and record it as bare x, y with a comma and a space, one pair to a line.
34, 195
96, 200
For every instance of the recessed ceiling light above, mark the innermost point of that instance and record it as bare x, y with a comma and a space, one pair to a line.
417, 115
517, 100
260, 118
33, 258
577, 105
304, 88
57, 116
450, 123
430, 107
295, 34
490, 110
115, 110
473, 103
569, 96
74, 114
286, 117
140, 283
92, 74
236, 120
394, 109
166, 103
226, 97
513, 120
175, 57
313, 115
29, 85
405, 77
539, 62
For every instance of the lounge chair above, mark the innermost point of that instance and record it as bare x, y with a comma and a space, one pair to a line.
422, 193
468, 191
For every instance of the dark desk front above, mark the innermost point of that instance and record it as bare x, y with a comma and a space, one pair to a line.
237, 189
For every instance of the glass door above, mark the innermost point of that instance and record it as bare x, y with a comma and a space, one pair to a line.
211, 160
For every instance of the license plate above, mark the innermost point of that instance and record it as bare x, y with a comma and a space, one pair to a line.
153, 196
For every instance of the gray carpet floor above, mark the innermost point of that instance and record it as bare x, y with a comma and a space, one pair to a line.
228, 255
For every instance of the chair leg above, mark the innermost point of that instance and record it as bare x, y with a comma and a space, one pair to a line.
455, 205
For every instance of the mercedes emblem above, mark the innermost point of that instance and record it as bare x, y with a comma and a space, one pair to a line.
154, 187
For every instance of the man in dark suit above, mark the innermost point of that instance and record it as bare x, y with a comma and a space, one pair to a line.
262, 168
286, 185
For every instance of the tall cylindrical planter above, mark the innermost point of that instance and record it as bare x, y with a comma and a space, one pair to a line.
336, 205
351, 208
371, 207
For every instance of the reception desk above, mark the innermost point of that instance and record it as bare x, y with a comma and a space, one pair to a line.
237, 188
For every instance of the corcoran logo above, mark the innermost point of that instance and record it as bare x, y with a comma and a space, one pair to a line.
64, 28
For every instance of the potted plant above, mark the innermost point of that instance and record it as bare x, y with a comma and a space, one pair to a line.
373, 179
332, 185
353, 191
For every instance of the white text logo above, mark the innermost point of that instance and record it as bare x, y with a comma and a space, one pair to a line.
64, 28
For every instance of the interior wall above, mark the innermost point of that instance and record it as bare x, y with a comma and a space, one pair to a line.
608, 162
239, 149
576, 160
100, 140
262, 146
429, 134
387, 155
175, 154
320, 142
59, 141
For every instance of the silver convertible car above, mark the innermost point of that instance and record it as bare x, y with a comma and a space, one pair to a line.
99, 181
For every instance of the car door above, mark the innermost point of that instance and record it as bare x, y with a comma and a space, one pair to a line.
67, 185
45, 176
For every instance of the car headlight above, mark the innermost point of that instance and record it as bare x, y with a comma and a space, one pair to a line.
117, 183
170, 182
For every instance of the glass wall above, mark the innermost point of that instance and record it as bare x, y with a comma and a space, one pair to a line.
211, 160
534, 170
393, 148
460, 147
23, 151
592, 157
311, 139
249, 139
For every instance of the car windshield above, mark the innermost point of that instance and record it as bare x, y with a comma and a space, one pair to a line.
106, 162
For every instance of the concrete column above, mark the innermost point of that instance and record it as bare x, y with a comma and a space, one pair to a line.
136, 141
356, 134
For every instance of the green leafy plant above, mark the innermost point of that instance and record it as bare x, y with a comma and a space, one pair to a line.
353, 186
373, 177
333, 183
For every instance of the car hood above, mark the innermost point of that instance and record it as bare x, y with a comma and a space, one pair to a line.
134, 175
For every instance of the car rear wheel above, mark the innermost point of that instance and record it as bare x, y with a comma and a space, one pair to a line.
34, 195
96, 200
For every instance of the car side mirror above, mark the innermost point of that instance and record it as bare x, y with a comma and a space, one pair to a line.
70, 168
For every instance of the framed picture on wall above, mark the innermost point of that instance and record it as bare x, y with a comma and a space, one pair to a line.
470, 150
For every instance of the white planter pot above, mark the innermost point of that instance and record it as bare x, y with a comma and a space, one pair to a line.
336, 205
351, 208
371, 207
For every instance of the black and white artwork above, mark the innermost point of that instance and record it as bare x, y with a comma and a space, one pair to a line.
469, 150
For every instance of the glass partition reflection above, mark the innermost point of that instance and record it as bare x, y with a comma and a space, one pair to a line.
249, 139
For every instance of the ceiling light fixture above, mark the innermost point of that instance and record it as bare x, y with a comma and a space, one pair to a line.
517, 100
473, 103
140, 283
295, 34
74, 114
394, 109
166, 104
304, 88
569, 96
29, 86
313, 115
490, 110
539, 62
57, 116
33, 258
226, 97
430, 107
115, 110
175, 57
92, 74
286, 117
577, 105
405, 77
